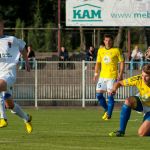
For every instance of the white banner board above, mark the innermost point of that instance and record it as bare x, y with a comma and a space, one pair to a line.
107, 13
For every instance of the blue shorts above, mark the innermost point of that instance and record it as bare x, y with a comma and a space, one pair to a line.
139, 108
147, 116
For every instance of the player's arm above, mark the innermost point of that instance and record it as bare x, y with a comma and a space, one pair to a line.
116, 86
96, 72
121, 70
25, 58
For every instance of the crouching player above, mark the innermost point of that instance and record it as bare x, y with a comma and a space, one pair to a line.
139, 103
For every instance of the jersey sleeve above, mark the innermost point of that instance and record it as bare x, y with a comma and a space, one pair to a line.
20, 43
132, 81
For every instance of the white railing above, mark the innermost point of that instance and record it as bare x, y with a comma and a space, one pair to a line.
72, 83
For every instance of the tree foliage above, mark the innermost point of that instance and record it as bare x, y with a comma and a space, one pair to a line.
43, 13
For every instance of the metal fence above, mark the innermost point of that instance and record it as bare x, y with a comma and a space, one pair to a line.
48, 83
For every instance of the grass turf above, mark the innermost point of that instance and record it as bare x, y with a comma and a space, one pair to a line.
71, 129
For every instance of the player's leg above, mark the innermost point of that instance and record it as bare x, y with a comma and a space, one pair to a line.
100, 89
3, 117
144, 129
10, 104
16, 109
132, 102
111, 101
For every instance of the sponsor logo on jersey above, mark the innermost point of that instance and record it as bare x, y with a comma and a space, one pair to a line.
5, 55
9, 44
106, 59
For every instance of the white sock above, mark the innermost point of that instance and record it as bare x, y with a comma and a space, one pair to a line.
2, 108
19, 112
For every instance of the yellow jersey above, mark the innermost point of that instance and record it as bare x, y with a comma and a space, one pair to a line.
144, 90
109, 59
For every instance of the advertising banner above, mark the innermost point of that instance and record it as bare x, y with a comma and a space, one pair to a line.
107, 13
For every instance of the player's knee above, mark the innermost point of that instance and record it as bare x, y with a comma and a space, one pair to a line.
141, 132
128, 102
99, 96
9, 104
131, 102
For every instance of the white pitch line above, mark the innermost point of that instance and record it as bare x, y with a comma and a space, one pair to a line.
74, 147
133, 120
3, 141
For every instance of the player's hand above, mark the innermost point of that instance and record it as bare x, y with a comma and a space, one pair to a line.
95, 78
112, 92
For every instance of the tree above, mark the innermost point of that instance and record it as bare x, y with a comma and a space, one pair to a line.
19, 32
119, 40
49, 38
37, 42
82, 40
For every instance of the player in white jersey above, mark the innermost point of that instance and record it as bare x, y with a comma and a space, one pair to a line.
10, 49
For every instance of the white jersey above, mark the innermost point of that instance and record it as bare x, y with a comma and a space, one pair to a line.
10, 48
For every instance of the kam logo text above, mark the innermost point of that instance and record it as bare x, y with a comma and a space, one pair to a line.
86, 12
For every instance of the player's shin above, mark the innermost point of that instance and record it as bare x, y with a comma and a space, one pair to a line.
124, 117
110, 105
2, 108
19, 112
102, 101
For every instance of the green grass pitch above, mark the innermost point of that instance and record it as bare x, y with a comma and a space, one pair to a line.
71, 129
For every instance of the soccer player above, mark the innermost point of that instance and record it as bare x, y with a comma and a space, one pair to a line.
107, 62
139, 103
10, 49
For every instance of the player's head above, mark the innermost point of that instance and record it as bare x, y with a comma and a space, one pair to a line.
1, 26
108, 41
146, 74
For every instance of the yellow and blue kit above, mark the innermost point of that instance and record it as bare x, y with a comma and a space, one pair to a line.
144, 90
109, 59
143, 101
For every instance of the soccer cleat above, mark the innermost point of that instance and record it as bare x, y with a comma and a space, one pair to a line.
3, 123
105, 116
117, 134
28, 124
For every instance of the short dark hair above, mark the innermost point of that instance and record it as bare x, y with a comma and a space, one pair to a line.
146, 69
108, 36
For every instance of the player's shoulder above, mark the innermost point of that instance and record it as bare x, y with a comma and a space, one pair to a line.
136, 78
10, 37
101, 49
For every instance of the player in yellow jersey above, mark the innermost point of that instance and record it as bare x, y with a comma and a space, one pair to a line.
139, 103
107, 64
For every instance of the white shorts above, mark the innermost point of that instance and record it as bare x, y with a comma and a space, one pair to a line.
10, 78
105, 84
